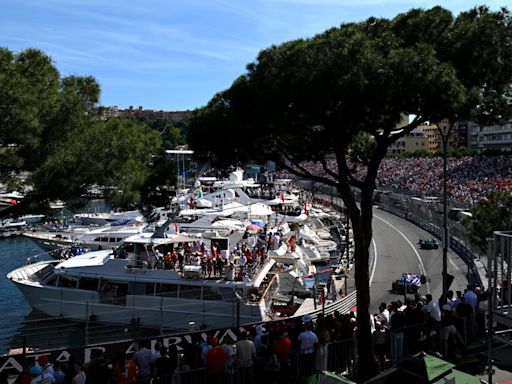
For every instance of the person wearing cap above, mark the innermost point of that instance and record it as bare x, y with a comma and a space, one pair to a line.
45, 365
39, 377
35, 371
38, 373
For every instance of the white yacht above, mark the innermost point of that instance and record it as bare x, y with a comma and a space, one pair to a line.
31, 218
93, 239
135, 283
10, 199
112, 289
11, 227
103, 218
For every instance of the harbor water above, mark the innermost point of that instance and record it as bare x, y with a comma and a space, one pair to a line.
14, 252
20, 325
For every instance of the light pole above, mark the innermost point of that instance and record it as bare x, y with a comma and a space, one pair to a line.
444, 131
348, 250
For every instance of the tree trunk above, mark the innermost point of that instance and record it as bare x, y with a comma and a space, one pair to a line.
362, 229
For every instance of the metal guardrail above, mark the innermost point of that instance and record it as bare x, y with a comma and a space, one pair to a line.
402, 206
455, 244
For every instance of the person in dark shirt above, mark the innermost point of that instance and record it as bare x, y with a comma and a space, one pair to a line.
398, 322
98, 371
166, 364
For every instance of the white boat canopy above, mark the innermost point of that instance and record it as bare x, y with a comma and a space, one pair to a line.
90, 259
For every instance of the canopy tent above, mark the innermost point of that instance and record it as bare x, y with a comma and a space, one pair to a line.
423, 368
253, 228
258, 222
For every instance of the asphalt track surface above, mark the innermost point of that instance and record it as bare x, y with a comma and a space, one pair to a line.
395, 242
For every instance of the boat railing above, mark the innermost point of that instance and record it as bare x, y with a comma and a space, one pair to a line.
55, 236
31, 272
269, 291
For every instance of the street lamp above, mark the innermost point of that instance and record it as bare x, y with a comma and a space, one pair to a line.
347, 237
444, 128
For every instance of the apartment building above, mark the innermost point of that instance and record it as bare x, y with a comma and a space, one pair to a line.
492, 137
414, 141
147, 115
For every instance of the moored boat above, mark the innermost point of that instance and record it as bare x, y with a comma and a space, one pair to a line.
141, 282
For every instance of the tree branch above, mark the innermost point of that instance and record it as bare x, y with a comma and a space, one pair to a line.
344, 171
327, 169
405, 130
303, 172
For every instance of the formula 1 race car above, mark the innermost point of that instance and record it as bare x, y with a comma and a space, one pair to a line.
428, 243
408, 283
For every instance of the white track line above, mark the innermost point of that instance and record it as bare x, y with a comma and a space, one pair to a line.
422, 266
453, 264
374, 261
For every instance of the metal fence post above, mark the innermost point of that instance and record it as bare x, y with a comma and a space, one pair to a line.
86, 323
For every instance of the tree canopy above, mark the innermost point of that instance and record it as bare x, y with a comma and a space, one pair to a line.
494, 213
52, 139
340, 95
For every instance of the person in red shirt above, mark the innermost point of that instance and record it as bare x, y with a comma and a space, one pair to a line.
282, 346
121, 370
216, 359
282, 350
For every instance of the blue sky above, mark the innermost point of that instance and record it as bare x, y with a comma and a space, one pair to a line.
172, 54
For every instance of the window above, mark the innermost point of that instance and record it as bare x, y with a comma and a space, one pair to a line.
136, 288
150, 289
167, 290
88, 284
211, 293
67, 281
190, 292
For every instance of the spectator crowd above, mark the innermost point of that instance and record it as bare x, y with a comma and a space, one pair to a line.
280, 351
470, 178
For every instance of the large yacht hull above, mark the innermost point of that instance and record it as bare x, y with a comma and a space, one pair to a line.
148, 311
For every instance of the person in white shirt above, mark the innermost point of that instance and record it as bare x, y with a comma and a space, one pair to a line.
79, 377
246, 352
242, 261
47, 372
308, 341
432, 308
194, 259
384, 314
142, 359
434, 317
